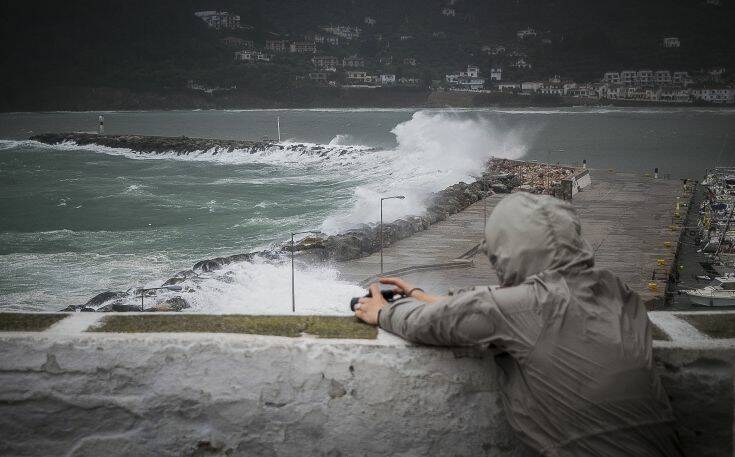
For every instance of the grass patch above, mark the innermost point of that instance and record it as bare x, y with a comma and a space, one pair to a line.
28, 322
658, 334
713, 325
293, 326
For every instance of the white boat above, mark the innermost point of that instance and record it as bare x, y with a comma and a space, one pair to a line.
720, 293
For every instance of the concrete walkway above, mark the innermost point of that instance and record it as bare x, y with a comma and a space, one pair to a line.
625, 217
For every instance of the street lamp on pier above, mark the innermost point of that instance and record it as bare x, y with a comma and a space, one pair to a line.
293, 281
400, 197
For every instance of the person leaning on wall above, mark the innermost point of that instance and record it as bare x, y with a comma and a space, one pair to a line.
573, 342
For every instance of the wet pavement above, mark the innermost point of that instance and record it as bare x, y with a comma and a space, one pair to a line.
626, 218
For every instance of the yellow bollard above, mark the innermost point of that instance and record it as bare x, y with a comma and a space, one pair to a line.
667, 244
661, 262
611, 170
647, 174
653, 286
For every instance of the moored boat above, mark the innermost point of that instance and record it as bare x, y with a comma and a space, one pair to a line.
720, 293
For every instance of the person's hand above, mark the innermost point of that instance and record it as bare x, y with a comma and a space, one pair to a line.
401, 287
367, 308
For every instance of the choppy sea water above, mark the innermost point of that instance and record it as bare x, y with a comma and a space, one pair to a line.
75, 221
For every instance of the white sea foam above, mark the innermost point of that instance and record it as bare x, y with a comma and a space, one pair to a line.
435, 150
265, 288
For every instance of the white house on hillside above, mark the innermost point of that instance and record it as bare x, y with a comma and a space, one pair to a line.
671, 42
387, 79
496, 74
526, 33
219, 19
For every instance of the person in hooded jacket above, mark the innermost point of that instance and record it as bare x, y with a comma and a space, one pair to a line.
572, 341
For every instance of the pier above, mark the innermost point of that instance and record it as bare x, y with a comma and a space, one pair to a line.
628, 219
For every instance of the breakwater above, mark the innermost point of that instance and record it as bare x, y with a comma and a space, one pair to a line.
499, 176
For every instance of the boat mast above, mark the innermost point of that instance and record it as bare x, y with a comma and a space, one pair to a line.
725, 230
278, 123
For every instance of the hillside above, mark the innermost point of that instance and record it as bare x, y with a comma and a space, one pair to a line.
157, 46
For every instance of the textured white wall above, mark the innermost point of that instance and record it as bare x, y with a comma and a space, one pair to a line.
200, 394
244, 395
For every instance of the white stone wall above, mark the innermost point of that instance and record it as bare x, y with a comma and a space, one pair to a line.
207, 394
125, 395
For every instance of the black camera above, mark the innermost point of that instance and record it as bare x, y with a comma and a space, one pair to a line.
388, 295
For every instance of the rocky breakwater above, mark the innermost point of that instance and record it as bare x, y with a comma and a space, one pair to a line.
145, 144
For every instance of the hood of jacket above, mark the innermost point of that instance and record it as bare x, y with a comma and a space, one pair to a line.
528, 234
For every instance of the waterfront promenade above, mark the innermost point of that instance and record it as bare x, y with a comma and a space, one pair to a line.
626, 218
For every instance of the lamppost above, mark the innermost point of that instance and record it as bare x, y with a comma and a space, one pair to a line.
143, 290
483, 186
293, 281
400, 197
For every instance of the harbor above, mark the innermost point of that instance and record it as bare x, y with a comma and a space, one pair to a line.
706, 274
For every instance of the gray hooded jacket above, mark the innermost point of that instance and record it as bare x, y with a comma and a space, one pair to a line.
573, 341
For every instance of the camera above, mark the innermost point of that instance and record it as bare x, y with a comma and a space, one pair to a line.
388, 295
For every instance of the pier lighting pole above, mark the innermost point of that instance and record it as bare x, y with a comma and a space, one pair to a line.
278, 124
483, 186
143, 290
293, 280
400, 197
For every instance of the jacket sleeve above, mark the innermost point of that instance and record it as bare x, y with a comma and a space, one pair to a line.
471, 317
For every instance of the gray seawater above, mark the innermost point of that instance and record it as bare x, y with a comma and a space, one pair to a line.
75, 221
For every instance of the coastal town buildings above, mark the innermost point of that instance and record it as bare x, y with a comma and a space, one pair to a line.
665, 85
219, 20
249, 55
526, 33
387, 79
235, 42
468, 79
353, 62
318, 76
276, 45
721, 95
302, 47
345, 31
520, 64
325, 62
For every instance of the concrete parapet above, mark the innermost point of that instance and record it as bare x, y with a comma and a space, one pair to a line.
91, 394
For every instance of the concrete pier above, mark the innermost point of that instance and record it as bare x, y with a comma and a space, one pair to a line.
626, 218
